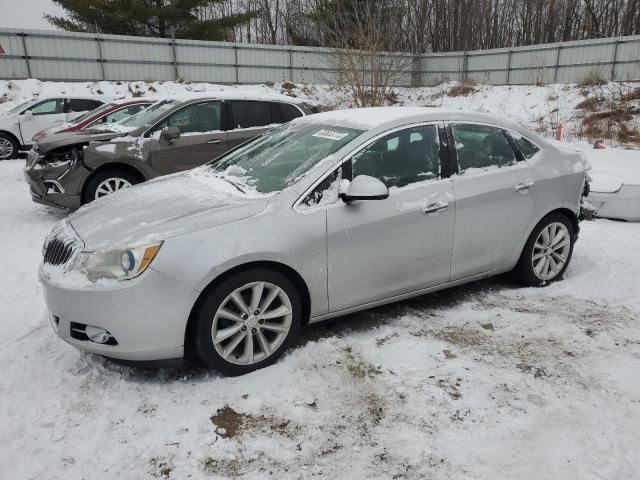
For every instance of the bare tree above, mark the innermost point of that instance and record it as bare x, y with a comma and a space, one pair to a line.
361, 34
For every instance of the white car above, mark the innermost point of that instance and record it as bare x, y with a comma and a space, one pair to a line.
21, 123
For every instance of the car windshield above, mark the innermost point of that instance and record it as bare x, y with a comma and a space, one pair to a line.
280, 157
22, 106
148, 116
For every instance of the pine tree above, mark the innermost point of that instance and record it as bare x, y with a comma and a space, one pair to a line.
155, 18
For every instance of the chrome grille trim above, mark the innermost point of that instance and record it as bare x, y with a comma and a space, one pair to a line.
61, 245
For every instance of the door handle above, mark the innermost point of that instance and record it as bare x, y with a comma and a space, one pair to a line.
524, 186
214, 141
435, 208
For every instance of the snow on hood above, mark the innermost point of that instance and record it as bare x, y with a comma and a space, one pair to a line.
164, 208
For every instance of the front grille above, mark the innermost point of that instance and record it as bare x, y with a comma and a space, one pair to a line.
59, 246
57, 252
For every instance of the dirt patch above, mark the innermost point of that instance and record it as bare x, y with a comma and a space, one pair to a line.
357, 367
462, 89
382, 340
229, 468
590, 103
230, 423
160, 468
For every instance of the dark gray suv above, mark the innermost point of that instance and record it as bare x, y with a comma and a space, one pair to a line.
70, 170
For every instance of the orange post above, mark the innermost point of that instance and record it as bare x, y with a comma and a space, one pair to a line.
559, 132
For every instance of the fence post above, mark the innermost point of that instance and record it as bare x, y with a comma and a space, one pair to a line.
464, 66
100, 57
615, 60
509, 67
174, 54
555, 72
291, 64
235, 56
416, 74
26, 54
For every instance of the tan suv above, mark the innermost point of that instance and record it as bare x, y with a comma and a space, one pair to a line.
69, 170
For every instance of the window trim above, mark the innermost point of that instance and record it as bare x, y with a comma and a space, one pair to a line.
347, 158
223, 123
510, 133
453, 152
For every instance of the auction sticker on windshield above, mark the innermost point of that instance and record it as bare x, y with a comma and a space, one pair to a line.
330, 134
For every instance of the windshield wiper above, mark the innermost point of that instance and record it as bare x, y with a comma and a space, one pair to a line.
234, 184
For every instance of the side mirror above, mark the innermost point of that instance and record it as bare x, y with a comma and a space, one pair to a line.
364, 187
170, 134
28, 114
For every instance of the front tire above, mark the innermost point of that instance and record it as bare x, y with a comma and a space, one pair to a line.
9, 147
106, 182
548, 251
247, 321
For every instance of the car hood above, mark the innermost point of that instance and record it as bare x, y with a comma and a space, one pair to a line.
163, 208
64, 139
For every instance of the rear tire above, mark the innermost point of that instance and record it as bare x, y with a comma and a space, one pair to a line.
254, 316
548, 251
9, 147
106, 182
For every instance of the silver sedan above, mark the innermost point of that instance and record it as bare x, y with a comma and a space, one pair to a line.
327, 215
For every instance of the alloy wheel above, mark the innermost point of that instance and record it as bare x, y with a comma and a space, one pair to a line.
111, 185
6, 148
251, 323
551, 251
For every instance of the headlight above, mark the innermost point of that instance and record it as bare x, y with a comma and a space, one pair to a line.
119, 263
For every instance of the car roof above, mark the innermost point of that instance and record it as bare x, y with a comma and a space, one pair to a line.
89, 96
233, 94
383, 118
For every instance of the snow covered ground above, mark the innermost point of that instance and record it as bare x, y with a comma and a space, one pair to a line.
480, 382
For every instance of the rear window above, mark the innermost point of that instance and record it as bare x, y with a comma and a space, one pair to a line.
83, 104
289, 111
248, 114
527, 147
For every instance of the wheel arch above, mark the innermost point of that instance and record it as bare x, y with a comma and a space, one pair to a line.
10, 134
111, 166
286, 270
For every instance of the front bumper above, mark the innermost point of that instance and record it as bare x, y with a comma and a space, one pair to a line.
56, 186
147, 316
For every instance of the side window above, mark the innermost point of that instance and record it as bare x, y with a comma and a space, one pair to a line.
247, 114
289, 112
401, 158
197, 117
481, 146
83, 104
527, 147
48, 107
326, 192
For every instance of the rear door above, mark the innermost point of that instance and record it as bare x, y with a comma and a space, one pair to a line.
381, 248
248, 119
496, 195
201, 138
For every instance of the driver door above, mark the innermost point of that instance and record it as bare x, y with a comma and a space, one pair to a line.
45, 114
201, 138
378, 249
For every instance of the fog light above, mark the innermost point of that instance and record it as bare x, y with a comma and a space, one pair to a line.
97, 334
